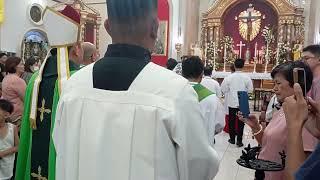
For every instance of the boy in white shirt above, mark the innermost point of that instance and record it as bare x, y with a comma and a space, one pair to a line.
210, 83
230, 86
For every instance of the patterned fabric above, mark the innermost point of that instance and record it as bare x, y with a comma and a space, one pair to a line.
178, 69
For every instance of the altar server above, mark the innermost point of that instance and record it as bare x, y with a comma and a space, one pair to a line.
141, 122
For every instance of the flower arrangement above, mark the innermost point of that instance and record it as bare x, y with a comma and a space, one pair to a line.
228, 43
212, 54
268, 35
284, 49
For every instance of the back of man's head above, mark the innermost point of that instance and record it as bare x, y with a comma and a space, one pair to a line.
192, 67
313, 49
129, 17
239, 63
208, 70
171, 64
89, 51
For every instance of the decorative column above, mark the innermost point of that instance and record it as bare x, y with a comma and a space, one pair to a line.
288, 32
217, 35
211, 34
205, 41
83, 15
97, 28
280, 32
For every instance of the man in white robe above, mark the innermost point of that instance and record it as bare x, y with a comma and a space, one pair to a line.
124, 117
210, 105
210, 83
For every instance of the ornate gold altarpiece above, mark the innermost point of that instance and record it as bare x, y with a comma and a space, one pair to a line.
89, 16
290, 21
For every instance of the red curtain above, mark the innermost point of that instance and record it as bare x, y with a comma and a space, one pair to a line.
164, 15
89, 33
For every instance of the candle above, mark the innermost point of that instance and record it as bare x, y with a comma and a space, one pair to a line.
255, 49
225, 57
214, 56
277, 56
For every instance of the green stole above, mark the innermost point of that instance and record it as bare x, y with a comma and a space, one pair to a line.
36, 145
202, 91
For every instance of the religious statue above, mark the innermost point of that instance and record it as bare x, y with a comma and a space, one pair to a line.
196, 50
247, 56
297, 50
249, 23
262, 53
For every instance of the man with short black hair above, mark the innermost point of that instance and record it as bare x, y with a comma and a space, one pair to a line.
211, 106
171, 64
311, 55
130, 118
210, 83
230, 86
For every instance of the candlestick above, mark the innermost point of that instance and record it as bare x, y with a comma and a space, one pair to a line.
277, 56
214, 56
225, 57
255, 64
267, 58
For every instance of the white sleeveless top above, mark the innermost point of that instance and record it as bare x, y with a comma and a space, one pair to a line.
7, 163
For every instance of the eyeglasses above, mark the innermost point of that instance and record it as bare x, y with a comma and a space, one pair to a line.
306, 58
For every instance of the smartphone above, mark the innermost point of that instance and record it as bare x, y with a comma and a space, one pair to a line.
299, 76
244, 103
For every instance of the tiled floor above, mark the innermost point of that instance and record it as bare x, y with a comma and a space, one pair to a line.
229, 169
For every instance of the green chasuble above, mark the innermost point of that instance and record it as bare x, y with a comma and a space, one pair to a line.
36, 156
202, 91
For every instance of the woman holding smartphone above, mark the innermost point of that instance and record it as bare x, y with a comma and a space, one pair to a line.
273, 138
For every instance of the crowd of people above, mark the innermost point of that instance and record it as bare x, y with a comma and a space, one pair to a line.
124, 117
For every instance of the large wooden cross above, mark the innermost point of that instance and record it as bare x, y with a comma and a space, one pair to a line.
249, 20
38, 175
43, 110
240, 48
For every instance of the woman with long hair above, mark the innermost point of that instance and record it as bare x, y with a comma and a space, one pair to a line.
13, 87
30, 66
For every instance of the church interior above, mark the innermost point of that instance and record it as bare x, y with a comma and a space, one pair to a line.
264, 33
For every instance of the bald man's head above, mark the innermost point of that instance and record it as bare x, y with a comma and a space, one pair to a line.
90, 53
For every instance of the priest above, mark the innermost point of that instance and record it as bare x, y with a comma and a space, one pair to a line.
126, 118
36, 156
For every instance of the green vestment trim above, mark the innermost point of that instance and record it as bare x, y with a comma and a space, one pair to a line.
23, 169
202, 91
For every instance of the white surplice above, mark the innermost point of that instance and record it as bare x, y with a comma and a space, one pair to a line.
212, 85
233, 83
153, 131
213, 112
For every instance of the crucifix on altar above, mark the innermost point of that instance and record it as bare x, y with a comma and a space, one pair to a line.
240, 48
249, 28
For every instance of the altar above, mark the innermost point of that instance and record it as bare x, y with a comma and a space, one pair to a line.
263, 33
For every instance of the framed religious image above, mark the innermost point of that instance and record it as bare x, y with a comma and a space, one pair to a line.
35, 14
161, 42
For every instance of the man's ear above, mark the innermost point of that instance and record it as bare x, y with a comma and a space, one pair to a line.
107, 26
76, 49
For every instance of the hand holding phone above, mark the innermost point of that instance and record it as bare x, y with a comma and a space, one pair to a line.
299, 76
244, 103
